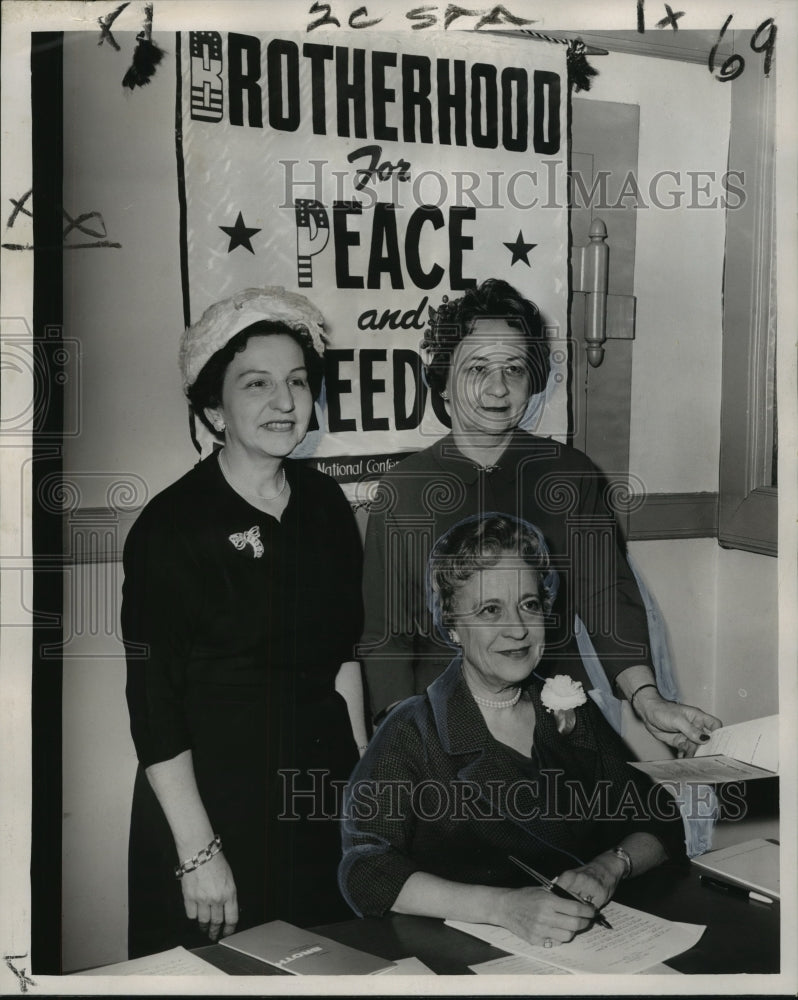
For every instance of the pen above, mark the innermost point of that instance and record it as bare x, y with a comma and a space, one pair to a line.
559, 891
735, 890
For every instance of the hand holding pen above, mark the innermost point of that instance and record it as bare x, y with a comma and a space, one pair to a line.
552, 886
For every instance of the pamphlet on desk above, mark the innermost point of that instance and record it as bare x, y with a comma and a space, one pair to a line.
740, 752
753, 865
304, 953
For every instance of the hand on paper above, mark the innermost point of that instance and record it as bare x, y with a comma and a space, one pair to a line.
209, 895
683, 727
537, 915
596, 881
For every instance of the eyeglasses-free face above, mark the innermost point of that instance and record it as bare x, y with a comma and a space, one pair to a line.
498, 620
266, 399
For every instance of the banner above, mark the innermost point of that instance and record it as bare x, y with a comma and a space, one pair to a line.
376, 176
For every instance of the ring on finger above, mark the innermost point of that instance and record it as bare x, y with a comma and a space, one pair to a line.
588, 899
548, 943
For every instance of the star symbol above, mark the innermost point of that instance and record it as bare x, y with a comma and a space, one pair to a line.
240, 235
520, 250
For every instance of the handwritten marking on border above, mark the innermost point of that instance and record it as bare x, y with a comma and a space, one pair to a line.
77, 224
734, 64
422, 17
670, 18
105, 26
23, 978
19, 206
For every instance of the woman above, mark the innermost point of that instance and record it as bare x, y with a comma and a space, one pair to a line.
456, 781
486, 356
241, 604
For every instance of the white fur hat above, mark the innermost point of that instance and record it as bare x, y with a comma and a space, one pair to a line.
223, 320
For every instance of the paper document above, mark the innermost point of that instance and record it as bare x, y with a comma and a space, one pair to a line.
408, 967
740, 752
637, 941
517, 965
175, 962
753, 864
521, 965
707, 770
755, 742
302, 952
661, 970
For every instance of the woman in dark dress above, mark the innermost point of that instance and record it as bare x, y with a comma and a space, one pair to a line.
241, 605
492, 764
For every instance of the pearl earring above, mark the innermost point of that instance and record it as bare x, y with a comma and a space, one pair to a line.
445, 395
219, 427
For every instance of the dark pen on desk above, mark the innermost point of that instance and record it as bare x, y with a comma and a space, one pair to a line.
734, 890
558, 890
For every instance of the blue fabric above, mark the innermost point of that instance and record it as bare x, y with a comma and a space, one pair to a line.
658, 639
698, 803
601, 689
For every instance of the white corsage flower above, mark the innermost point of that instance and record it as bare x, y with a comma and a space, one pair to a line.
562, 692
561, 695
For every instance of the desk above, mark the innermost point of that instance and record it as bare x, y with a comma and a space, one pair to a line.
741, 936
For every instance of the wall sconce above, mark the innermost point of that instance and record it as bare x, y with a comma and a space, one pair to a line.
605, 316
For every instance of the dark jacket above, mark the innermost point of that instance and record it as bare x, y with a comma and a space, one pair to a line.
435, 792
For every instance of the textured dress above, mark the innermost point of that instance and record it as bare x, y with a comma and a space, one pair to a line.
436, 793
235, 625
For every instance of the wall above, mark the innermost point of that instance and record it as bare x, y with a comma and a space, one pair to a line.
718, 604
747, 636
123, 304
720, 607
684, 126
133, 424
99, 766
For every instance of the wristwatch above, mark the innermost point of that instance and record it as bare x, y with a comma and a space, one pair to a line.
619, 852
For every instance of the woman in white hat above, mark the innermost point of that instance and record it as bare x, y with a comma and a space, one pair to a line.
241, 606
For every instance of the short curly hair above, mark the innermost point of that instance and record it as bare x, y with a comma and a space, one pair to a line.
206, 391
478, 542
452, 321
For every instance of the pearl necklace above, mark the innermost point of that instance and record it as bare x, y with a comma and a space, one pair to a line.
240, 489
491, 702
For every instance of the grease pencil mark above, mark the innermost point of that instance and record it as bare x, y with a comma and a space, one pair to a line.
97, 231
19, 206
422, 17
23, 978
105, 26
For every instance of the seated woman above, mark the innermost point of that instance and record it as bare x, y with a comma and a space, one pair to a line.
490, 762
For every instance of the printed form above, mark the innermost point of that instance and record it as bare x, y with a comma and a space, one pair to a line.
637, 941
739, 752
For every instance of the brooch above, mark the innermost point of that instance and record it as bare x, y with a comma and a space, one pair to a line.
251, 537
560, 696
